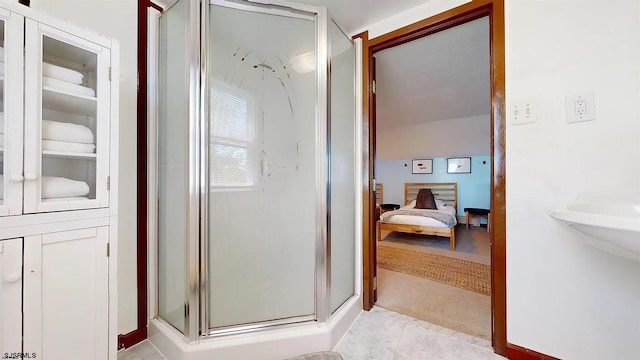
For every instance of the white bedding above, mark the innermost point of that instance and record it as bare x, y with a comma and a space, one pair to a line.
421, 220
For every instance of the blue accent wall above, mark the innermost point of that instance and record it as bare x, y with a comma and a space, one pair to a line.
474, 189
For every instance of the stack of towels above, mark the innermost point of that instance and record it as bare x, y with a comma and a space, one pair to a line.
58, 77
58, 189
67, 137
65, 79
55, 188
60, 136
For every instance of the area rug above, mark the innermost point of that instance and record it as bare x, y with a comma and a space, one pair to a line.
455, 272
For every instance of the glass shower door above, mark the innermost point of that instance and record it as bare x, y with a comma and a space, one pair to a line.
343, 166
173, 147
262, 166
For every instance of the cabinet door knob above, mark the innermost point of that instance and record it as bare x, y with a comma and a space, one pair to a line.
12, 278
17, 178
30, 176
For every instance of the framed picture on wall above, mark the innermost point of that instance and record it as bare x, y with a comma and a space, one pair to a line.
460, 165
422, 166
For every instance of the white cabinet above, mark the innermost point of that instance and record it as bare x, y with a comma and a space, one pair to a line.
11, 296
12, 109
55, 291
66, 293
57, 133
58, 188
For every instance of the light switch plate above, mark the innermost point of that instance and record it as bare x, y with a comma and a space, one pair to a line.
524, 112
581, 107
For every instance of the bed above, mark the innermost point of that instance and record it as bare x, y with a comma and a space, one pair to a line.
446, 193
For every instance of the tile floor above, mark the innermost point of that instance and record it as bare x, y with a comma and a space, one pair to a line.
141, 351
383, 335
386, 335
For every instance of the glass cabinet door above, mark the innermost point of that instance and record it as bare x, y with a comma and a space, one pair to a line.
66, 156
11, 112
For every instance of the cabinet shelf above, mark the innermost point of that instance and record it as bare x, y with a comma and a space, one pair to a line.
64, 101
68, 155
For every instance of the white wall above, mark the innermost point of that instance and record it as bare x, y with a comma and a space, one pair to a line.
446, 138
564, 298
116, 19
474, 189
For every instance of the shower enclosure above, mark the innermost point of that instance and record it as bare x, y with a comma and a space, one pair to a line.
253, 211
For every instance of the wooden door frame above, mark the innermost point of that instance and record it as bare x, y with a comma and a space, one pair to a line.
461, 14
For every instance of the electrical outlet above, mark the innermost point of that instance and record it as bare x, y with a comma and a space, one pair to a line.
524, 113
581, 107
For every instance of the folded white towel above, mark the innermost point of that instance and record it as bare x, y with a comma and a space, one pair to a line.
59, 187
69, 198
60, 131
51, 71
61, 73
1, 187
67, 86
67, 146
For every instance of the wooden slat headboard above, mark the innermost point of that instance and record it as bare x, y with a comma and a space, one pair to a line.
447, 192
379, 193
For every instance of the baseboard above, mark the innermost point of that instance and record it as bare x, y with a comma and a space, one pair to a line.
515, 352
132, 338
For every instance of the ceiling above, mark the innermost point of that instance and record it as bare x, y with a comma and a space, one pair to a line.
438, 77
351, 15
354, 15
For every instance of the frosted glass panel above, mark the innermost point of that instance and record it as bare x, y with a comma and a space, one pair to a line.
262, 167
172, 165
343, 170
3, 126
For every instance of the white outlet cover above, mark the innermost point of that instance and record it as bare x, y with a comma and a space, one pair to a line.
523, 112
589, 109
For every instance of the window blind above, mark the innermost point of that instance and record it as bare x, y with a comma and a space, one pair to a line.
232, 135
